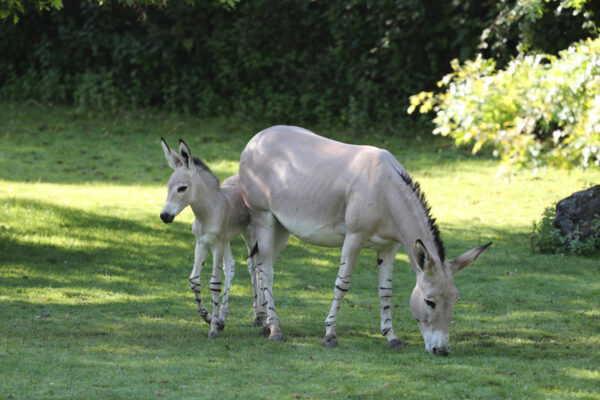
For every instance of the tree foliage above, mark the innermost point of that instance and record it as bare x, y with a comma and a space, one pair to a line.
297, 61
539, 109
15, 8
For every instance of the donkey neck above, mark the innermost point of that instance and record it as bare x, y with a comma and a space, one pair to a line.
207, 195
415, 220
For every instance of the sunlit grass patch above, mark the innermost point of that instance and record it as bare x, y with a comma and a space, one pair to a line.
95, 299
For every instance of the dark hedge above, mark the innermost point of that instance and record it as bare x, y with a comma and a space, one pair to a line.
291, 61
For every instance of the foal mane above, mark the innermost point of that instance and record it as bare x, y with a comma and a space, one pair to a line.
203, 167
433, 227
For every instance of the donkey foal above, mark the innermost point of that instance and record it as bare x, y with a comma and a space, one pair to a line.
220, 215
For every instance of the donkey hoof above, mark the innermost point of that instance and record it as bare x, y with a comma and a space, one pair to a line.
396, 344
220, 324
212, 335
330, 341
276, 336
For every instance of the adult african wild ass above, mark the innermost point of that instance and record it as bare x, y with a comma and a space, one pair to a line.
335, 194
220, 215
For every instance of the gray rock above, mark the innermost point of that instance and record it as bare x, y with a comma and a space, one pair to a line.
577, 213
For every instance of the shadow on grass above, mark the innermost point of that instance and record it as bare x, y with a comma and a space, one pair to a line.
130, 280
60, 145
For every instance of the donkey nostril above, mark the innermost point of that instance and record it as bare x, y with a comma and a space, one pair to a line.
440, 352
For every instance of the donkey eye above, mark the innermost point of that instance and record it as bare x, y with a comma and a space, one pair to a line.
182, 189
430, 303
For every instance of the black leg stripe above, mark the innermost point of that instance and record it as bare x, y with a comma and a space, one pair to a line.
339, 288
254, 250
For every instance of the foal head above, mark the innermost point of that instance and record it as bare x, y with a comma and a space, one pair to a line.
435, 295
189, 176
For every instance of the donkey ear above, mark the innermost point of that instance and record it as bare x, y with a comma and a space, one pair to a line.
466, 258
170, 155
423, 258
186, 156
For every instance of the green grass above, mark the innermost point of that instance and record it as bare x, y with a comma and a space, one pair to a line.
80, 239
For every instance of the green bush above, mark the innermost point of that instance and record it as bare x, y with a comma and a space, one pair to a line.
277, 61
546, 238
540, 109
284, 61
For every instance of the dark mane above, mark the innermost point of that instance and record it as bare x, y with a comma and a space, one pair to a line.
435, 230
200, 164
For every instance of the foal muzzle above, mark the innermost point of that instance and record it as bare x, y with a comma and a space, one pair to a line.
167, 218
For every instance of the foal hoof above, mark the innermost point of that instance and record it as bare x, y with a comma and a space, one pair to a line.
212, 335
330, 341
206, 317
220, 324
396, 344
265, 331
276, 336
257, 322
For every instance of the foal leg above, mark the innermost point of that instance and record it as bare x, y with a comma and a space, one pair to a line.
350, 250
199, 258
215, 288
229, 270
385, 262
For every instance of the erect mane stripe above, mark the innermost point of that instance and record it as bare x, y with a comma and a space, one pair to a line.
199, 163
433, 227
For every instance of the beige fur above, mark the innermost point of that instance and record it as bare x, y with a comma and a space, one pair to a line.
220, 215
341, 195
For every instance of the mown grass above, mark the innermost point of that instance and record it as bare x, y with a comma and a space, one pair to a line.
80, 240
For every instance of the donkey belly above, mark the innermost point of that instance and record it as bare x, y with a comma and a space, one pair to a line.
314, 232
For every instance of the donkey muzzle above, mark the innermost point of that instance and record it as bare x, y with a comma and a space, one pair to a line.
167, 218
442, 351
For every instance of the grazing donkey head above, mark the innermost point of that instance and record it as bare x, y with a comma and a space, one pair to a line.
189, 180
435, 294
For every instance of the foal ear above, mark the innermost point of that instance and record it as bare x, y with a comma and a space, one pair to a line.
170, 155
423, 258
186, 156
466, 258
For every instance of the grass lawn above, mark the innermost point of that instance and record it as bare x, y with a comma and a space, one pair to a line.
95, 301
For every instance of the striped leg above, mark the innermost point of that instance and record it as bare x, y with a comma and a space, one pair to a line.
385, 261
267, 228
350, 251
252, 245
229, 270
199, 258
215, 288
